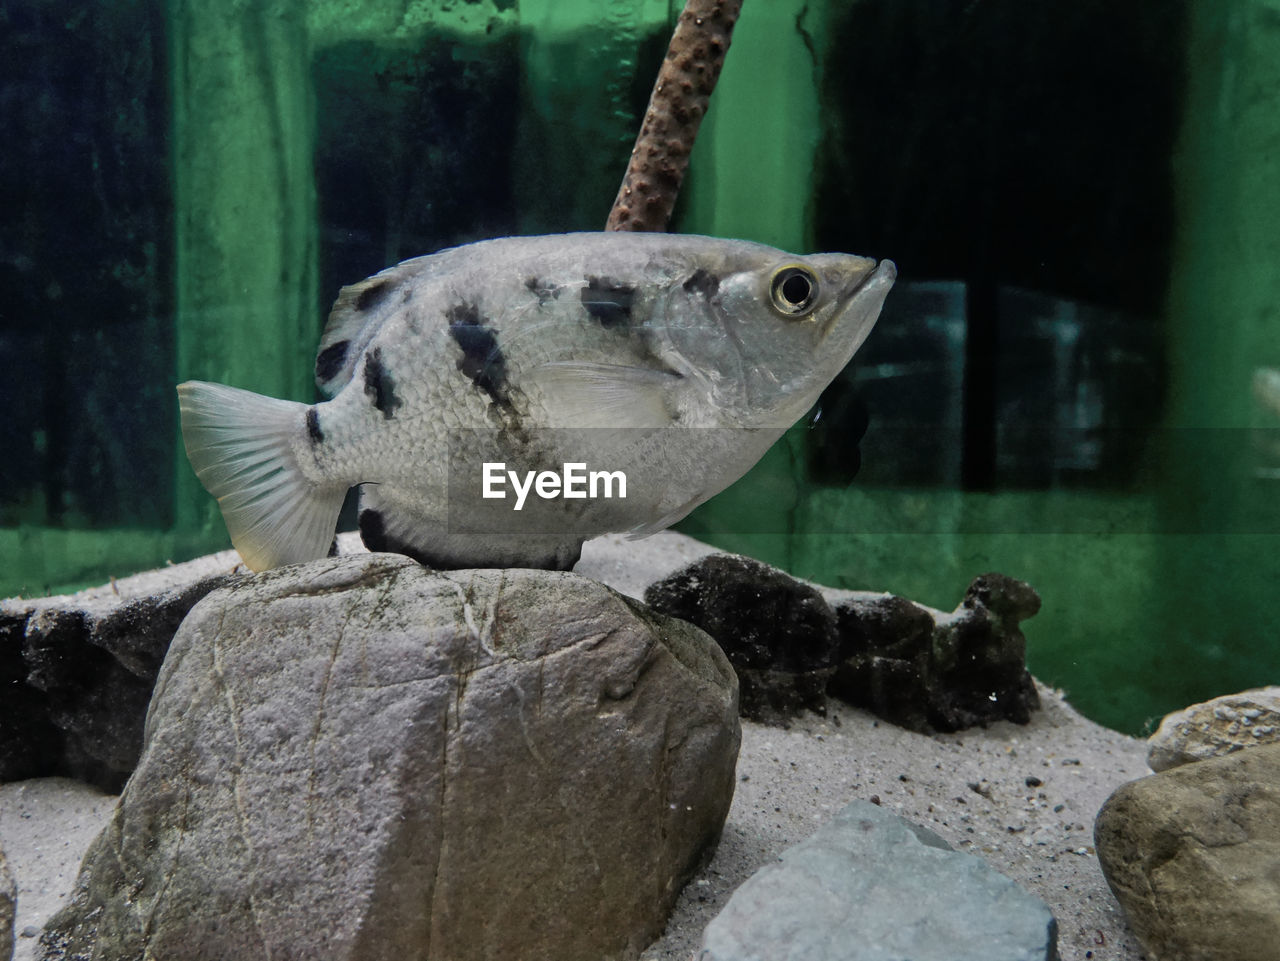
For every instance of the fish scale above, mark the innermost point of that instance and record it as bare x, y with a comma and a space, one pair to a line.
674, 360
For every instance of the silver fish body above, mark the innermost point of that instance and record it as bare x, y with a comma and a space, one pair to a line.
675, 360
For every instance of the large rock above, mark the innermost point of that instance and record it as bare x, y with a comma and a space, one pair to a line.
8, 908
779, 633
871, 886
362, 759
76, 671
1221, 726
1192, 855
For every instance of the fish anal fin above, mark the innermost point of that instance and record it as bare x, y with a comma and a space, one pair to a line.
667, 519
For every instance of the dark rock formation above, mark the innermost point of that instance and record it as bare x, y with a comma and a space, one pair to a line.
886, 644
359, 758
912, 665
778, 632
1191, 856
922, 669
868, 886
77, 675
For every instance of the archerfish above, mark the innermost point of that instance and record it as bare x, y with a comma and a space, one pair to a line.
677, 360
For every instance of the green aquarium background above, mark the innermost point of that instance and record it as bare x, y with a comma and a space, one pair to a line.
1081, 197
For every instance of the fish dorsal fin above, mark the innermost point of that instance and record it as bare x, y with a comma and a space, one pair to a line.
356, 317
607, 395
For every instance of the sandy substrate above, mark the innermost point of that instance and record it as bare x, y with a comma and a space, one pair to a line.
1022, 798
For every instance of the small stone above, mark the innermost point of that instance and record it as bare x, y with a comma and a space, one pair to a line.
1191, 856
871, 886
1214, 728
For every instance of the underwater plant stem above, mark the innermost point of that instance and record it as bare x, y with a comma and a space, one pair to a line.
679, 101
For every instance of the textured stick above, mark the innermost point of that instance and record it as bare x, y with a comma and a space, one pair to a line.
661, 154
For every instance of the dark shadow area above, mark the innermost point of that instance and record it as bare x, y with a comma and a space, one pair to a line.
1024, 152
86, 338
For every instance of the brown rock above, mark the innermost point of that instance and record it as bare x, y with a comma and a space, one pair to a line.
1191, 855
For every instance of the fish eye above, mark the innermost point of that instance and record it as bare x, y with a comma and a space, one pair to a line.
793, 291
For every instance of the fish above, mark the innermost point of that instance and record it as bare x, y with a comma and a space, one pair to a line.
675, 360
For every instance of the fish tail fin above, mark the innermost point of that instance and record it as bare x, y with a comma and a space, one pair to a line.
242, 447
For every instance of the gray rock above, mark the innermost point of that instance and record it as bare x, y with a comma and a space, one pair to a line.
779, 633
871, 886
1221, 726
1191, 854
8, 908
77, 670
77, 674
362, 759
923, 669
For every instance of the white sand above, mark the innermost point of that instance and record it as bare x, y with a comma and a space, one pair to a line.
790, 781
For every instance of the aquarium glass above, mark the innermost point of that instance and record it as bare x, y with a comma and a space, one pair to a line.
1076, 380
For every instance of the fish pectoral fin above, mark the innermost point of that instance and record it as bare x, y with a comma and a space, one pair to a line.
607, 395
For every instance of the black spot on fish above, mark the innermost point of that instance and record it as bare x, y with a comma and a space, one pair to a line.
481, 361
313, 426
703, 283
379, 385
464, 315
372, 531
608, 301
542, 289
331, 359
373, 295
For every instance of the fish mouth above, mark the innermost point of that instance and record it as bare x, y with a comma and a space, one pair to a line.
884, 275
871, 287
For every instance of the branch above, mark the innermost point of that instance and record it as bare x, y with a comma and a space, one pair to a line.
679, 101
